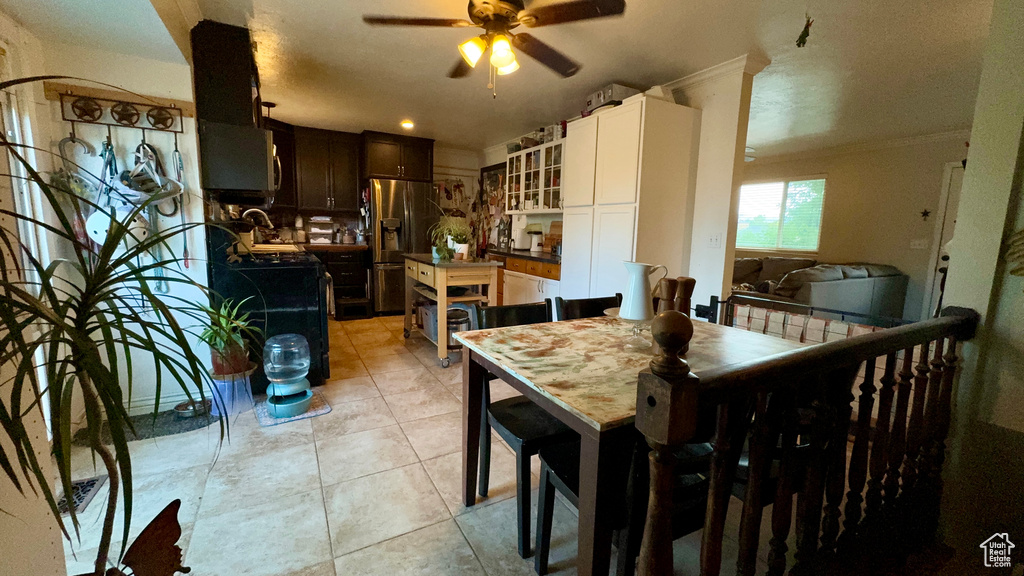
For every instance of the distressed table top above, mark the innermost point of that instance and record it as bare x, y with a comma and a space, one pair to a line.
583, 367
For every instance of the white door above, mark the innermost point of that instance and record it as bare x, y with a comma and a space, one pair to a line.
613, 244
577, 234
522, 288
944, 233
580, 162
549, 289
618, 154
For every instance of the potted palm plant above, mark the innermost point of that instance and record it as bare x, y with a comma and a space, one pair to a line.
228, 334
94, 317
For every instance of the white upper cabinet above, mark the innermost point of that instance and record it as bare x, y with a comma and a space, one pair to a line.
580, 162
618, 154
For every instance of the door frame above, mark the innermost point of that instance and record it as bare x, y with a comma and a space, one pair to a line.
936, 249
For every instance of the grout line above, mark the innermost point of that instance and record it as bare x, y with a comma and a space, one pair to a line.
323, 500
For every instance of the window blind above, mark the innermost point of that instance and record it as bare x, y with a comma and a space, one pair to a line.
780, 215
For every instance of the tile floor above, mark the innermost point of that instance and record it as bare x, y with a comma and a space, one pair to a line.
371, 488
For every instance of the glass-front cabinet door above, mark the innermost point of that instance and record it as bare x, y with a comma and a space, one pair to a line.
552, 196
531, 179
514, 179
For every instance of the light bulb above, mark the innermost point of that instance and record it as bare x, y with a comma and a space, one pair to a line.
408, 124
501, 52
506, 70
472, 50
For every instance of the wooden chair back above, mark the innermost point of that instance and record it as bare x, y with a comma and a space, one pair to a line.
513, 315
585, 307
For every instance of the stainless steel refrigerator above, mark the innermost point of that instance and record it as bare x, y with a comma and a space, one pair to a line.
401, 214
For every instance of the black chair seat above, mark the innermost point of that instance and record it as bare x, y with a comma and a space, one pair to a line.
526, 425
564, 462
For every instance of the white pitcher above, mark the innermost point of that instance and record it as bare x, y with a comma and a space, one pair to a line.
638, 304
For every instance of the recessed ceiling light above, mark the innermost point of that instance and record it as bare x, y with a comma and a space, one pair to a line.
407, 124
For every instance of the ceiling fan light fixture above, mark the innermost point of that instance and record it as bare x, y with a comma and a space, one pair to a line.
501, 52
506, 70
472, 50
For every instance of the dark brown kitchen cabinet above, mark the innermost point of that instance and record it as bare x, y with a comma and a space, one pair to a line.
345, 171
328, 170
397, 157
286, 191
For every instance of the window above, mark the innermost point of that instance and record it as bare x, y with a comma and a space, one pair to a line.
782, 215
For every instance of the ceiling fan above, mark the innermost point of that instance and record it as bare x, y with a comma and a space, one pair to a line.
498, 18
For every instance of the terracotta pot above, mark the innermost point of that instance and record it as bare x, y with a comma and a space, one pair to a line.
233, 359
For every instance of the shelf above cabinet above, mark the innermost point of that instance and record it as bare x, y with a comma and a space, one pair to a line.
537, 211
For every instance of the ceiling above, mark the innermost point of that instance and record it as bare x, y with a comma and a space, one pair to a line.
119, 26
872, 69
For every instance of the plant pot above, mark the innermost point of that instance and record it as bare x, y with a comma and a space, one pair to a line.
462, 251
232, 394
434, 254
233, 359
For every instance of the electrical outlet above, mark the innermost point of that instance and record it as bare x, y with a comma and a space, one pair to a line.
715, 241
919, 244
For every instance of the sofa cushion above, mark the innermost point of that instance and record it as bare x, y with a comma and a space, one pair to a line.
854, 271
792, 282
746, 270
773, 268
878, 270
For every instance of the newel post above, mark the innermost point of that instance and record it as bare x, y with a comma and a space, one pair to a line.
666, 414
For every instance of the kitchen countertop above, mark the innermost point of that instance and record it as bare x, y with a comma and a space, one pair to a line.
526, 255
428, 259
333, 247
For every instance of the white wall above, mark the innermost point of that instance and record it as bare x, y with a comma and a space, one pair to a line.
873, 203
30, 542
722, 94
156, 79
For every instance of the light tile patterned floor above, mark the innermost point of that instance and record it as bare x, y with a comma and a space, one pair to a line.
370, 489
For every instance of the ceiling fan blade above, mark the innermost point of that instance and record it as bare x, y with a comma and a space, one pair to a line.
571, 11
402, 21
460, 70
546, 55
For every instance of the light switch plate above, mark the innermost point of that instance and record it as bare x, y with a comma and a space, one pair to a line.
715, 241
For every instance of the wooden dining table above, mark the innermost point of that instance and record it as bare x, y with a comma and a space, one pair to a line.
580, 372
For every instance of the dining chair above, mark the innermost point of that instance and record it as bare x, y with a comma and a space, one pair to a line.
524, 425
585, 307
560, 465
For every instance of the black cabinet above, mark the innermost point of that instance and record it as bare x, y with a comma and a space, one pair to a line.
350, 274
344, 171
394, 157
327, 168
285, 189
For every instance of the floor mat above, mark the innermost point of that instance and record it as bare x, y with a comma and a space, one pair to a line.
318, 407
146, 426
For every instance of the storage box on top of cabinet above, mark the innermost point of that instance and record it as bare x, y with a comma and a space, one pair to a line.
630, 175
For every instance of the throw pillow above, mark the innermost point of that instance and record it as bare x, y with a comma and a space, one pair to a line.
854, 271
792, 282
776, 268
746, 270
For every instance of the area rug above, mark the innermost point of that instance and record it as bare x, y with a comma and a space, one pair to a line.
318, 407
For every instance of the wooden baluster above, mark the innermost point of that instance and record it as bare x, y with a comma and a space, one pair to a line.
925, 462
782, 508
880, 442
763, 442
667, 416
898, 436
951, 364
915, 428
925, 502
837, 446
820, 430
731, 431
859, 455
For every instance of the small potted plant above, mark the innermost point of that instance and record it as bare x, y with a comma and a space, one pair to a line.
229, 354
460, 243
443, 235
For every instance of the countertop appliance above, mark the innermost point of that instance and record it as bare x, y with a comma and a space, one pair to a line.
401, 214
536, 241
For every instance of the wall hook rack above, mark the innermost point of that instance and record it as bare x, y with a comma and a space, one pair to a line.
120, 113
